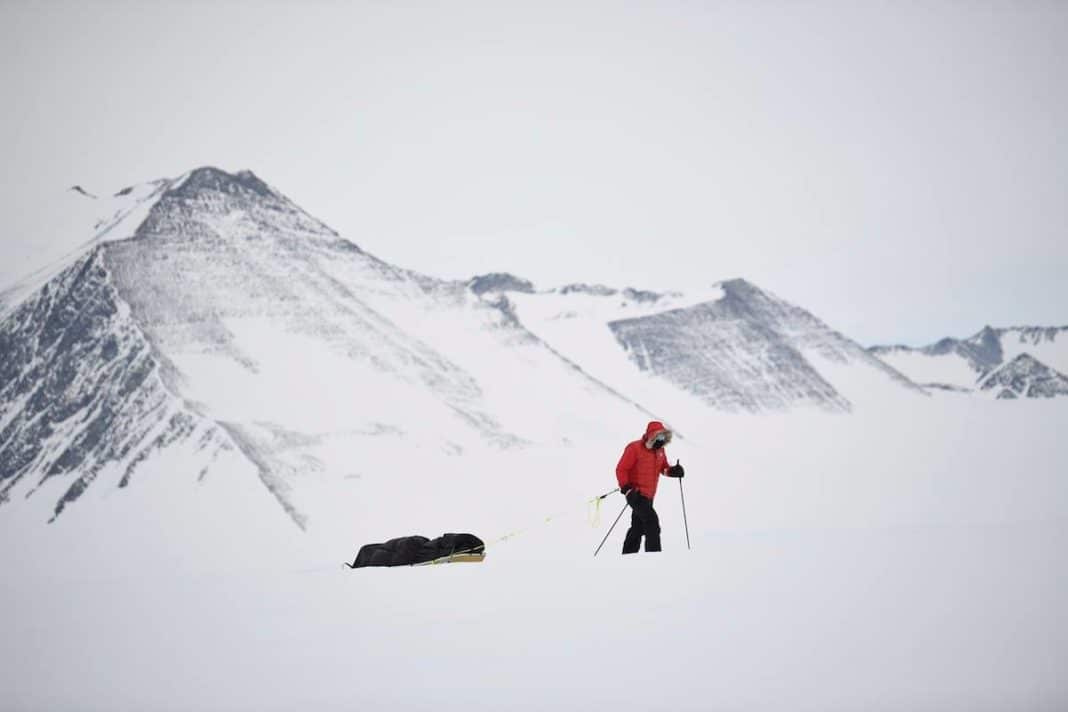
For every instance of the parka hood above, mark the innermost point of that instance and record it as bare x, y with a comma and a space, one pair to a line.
653, 429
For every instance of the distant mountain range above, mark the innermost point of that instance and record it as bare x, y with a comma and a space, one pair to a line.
208, 317
1022, 361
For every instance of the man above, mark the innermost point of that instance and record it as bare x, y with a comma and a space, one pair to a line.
638, 472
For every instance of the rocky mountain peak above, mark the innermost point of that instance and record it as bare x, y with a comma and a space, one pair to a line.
738, 286
211, 179
1027, 377
211, 204
984, 349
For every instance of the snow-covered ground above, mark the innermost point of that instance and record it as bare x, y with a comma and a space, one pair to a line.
949, 369
891, 559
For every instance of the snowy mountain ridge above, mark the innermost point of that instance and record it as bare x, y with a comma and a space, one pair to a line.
965, 364
735, 347
1025, 377
210, 314
249, 326
81, 391
84, 221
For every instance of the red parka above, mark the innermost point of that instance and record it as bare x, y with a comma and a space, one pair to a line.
640, 467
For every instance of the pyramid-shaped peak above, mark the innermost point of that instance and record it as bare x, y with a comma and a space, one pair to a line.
212, 179
986, 335
742, 290
1026, 376
737, 282
1025, 361
209, 202
739, 287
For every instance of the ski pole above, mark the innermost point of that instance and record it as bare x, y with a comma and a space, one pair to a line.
610, 528
684, 523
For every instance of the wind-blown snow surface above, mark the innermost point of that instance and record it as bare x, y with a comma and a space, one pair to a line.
907, 560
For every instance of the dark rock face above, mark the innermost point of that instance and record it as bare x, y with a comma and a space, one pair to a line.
79, 386
499, 282
641, 295
983, 350
743, 352
242, 183
597, 290
1026, 377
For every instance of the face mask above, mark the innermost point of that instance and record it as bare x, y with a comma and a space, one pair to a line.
659, 443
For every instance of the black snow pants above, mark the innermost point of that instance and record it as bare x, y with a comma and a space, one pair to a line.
643, 522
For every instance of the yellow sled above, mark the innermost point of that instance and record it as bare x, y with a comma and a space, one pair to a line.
460, 557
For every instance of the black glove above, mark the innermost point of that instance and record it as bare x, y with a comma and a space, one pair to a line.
625, 490
676, 470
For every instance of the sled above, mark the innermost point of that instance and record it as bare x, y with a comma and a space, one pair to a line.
419, 551
459, 557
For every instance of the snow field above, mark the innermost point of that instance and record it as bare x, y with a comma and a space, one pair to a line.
906, 560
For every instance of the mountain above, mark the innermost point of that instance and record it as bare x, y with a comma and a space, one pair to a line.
80, 389
963, 364
1025, 377
736, 348
228, 317
210, 316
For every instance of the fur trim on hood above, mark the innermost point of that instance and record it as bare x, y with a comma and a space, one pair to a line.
653, 429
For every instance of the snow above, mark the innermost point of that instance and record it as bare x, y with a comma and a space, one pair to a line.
1047, 345
554, 305
949, 369
582, 336
888, 560
907, 555
865, 387
1052, 351
755, 353
72, 219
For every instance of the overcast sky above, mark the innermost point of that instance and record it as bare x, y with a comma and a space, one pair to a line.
899, 169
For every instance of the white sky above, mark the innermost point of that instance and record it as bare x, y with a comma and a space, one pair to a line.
898, 169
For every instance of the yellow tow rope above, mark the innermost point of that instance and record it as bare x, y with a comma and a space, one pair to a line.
594, 520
